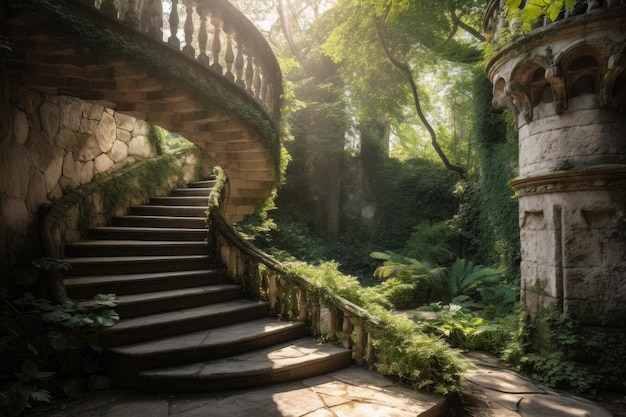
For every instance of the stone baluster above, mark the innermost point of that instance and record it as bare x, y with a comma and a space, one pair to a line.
256, 83
239, 62
109, 7
333, 320
155, 28
303, 304
272, 292
203, 36
250, 75
131, 18
216, 46
263, 91
371, 351
143, 12
361, 343
347, 331
174, 21
229, 57
188, 49
316, 316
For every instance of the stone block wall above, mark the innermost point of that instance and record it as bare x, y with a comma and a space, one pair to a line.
49, 145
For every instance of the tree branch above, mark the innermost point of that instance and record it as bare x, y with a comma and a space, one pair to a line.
418, 107
458, 22
284, 24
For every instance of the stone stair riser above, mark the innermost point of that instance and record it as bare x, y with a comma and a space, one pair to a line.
141, 308
188, 235
83, 287
122, 266
167, 222
114, 337
122, 249
148, 383
125, 368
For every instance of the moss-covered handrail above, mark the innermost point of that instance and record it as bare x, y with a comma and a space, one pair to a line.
292, 296
224, 41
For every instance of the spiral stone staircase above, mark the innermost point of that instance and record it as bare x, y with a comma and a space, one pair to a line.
183, 327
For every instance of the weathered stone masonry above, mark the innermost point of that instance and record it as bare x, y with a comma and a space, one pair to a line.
566, 85
49, 145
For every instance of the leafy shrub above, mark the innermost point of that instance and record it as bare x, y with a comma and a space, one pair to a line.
50, 349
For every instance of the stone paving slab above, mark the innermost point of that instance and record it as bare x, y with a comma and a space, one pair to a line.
492, 390
351, 392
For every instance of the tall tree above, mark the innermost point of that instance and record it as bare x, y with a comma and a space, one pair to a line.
383, 48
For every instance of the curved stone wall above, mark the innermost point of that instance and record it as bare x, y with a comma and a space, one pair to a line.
566, 85
49, 145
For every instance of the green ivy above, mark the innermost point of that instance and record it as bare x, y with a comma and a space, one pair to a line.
562, 352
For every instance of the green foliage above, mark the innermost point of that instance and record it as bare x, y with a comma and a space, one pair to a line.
402, 350
534, 9
404, 276
561, 352
464, 278
464, 325
414, 357
488, 214
50, 349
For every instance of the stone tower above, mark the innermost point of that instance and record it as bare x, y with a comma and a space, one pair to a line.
565, 83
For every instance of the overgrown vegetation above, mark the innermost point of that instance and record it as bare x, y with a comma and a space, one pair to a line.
49, 350
560, 351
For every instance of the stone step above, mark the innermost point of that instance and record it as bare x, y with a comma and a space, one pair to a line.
172, 323
125, 362
302, 358
148, 233
203, 184
134, 305
123, 284
134, 248
180, 201
154, 210
135, 264
159, 221
191, 192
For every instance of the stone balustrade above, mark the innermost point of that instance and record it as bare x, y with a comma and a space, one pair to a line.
224, 40
496, 17
293, 297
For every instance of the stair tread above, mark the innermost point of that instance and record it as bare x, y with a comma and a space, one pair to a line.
170, 318
125, 278
168, 294
123, 259
120, 242
206, 339
160, 218
259, 362
147, 229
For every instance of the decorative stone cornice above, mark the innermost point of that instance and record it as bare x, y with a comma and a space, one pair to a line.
580, 55
601, 178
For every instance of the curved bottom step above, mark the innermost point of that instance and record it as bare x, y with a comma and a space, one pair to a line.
299, 359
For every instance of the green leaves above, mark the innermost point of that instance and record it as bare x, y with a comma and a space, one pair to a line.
534, 9
50, 348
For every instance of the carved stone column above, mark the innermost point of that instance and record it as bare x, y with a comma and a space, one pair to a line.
565, 83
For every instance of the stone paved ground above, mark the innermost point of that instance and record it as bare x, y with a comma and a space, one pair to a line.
493, 390
352, 392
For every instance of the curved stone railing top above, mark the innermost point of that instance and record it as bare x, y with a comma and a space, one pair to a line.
224, 41
496, 18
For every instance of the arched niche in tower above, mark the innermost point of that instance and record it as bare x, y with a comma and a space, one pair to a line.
583, 66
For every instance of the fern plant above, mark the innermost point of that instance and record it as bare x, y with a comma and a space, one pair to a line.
465, 278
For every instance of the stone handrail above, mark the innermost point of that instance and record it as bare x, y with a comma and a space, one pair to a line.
293, 297
496, 17
232, 46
